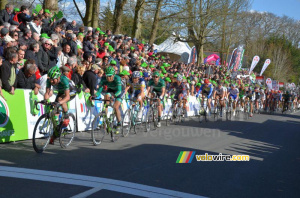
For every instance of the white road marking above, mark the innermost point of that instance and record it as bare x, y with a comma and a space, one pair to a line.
88, 193
96, 183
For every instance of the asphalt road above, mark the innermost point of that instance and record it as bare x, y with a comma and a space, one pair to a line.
145, 164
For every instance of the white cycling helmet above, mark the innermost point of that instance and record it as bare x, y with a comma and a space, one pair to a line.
136, 74
179, 77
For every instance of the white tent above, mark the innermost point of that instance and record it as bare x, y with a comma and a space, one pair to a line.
177, 50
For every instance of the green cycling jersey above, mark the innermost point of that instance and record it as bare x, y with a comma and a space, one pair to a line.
157, 87
114, 86
62, 86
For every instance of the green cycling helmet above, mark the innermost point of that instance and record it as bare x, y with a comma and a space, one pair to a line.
110, 71
54, 73
156, 73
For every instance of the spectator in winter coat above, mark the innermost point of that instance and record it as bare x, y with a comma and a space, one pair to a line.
5, 15
72, 26
35, 25
26, 78
32, 53
90, 78
27, 37
77, 78
71, 41
23, 18
8, 73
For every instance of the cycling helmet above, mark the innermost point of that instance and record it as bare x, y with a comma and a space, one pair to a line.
279, 91
206, 81
136, 74
110, 71
232, 85
156, 73
54, 73
179, 77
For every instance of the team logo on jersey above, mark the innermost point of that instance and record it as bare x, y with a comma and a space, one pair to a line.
4, 112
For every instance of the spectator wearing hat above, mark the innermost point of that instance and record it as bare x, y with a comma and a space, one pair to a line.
90, 78
26, 78
10, 42
65, 70
4, 32
8, 73
46, 56
46, 26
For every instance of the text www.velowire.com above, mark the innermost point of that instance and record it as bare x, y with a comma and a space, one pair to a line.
221, 157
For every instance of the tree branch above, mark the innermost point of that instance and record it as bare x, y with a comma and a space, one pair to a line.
78, 10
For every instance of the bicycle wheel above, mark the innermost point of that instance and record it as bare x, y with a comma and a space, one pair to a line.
149, 119
67, 134
115, 135
135, 121
155, 117
98, 129
43, 130
126, 123
246, 111
229, 112
169, 116
178, 115
216, 113
183, 115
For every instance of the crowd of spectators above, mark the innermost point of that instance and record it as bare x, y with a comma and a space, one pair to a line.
31, 44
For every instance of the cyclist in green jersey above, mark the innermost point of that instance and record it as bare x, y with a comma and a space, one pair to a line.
157, 85
112, 85
60, 83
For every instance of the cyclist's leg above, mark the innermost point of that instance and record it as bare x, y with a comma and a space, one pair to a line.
107, 96
117, 110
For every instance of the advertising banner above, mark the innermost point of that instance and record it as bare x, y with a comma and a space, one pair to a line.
13, 120
17, 122
269, 83
254, 63
267, 63
193, 56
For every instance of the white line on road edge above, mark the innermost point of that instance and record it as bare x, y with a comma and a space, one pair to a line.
87, 193
93, 182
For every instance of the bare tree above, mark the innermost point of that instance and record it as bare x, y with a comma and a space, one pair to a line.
2, 4
155, 22
91, 17
51, 5
137, 22
119, 6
